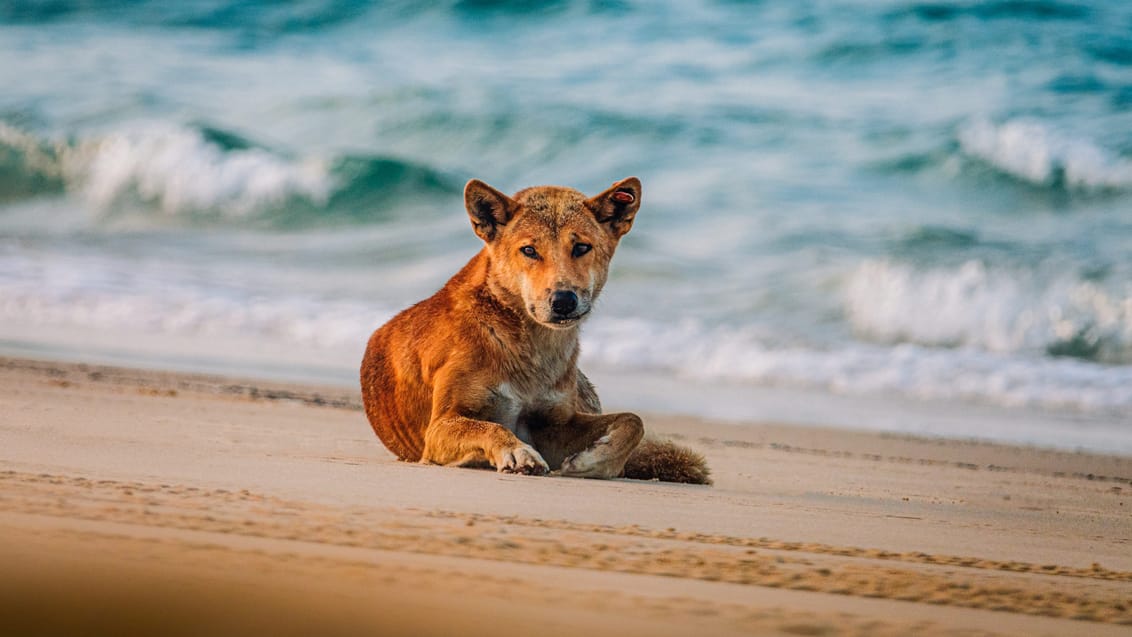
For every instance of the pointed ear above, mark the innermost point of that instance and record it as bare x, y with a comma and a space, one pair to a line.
488, 209
618, 205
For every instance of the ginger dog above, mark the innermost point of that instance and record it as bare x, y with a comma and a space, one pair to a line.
484, 372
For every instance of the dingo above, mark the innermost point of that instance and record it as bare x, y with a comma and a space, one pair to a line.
484, 372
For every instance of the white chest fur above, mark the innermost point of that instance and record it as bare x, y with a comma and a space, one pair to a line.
515, 403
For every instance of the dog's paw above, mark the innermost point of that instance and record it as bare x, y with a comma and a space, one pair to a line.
592, 462
522, 459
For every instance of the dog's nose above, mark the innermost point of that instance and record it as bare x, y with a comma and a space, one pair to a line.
564, 303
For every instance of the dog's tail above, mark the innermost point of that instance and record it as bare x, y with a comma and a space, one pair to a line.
666, 461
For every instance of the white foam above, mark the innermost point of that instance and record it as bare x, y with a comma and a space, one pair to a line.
1038, 153
173, 168
736, 355
972, 306
98, 294
131, 300
180, 172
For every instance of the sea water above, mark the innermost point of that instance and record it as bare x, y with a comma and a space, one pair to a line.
862, 213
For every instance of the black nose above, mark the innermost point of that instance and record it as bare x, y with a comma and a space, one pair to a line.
564, 303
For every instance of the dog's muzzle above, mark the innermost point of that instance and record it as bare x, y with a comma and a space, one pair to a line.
563, 303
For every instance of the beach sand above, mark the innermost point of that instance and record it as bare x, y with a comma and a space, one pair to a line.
144, 502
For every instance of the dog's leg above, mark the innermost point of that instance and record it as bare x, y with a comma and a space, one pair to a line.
455, 440
608, 440
588, 402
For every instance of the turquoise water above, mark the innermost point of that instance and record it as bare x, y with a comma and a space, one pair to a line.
920, 202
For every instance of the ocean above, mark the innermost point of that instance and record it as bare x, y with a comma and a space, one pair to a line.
911, 216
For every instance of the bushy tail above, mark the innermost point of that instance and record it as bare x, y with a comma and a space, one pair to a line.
666, 461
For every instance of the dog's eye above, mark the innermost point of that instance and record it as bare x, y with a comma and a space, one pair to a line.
581, 248
529, 251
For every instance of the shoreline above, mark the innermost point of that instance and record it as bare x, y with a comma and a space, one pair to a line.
285, 490
664, 397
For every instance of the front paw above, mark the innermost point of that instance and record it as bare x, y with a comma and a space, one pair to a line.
522, 459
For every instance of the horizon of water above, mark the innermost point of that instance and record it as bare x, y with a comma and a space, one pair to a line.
913, 202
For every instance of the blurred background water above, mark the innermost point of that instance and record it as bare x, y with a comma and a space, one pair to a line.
926, 204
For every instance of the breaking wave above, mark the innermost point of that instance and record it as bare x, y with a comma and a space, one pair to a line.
997, 311
185, 171
1037, 153
177, 170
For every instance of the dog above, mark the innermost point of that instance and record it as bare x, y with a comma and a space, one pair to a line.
484, 372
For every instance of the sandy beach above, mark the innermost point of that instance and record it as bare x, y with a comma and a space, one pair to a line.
878, 275
145, 502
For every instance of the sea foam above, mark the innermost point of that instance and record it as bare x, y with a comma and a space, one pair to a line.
179, 171
697, 352
1003, 311
92, 295
173, 168
1038, 153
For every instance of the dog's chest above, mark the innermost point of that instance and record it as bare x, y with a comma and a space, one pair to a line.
516, 405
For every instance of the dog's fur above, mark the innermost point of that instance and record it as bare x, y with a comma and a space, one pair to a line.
484, 372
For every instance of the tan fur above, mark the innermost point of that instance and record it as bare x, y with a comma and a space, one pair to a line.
484, 372
666, 461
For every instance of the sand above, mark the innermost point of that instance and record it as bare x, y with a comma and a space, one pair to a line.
143, 502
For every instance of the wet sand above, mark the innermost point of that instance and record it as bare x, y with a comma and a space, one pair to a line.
142, 502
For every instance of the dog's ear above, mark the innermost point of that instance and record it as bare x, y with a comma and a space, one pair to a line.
618, 205
488, 209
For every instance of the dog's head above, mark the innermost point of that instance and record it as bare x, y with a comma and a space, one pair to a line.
550, 246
